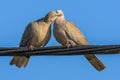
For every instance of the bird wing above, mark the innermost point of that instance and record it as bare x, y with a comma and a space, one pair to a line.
27, 35
74, 34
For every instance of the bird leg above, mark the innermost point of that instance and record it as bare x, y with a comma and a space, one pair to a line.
67, 44
41, 46
70, 44
31, 47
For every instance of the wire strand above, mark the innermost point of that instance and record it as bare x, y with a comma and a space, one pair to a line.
60, 50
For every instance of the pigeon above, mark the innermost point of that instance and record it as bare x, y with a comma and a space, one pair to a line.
68, 34
36, 34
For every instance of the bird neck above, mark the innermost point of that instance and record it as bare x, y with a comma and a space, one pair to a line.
47, 21
59, 19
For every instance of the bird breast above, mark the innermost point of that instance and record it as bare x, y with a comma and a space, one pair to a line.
40, 32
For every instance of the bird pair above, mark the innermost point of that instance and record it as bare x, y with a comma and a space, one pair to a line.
37, 34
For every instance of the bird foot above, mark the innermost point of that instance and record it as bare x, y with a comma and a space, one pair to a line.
41, 46
67, 45
31, 47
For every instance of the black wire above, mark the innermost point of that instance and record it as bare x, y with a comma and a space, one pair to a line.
61, 50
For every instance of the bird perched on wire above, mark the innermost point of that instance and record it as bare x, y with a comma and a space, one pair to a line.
36, 34
68, 34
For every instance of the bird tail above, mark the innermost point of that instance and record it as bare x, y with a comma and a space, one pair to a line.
20, 61
95, 62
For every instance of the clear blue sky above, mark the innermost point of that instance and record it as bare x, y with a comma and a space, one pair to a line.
99, 20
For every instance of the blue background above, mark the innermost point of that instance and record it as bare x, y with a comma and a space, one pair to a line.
99, 20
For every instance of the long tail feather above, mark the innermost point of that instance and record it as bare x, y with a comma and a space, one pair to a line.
20, 61
95, 62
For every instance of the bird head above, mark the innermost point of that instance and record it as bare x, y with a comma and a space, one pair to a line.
59, 13
51, 16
